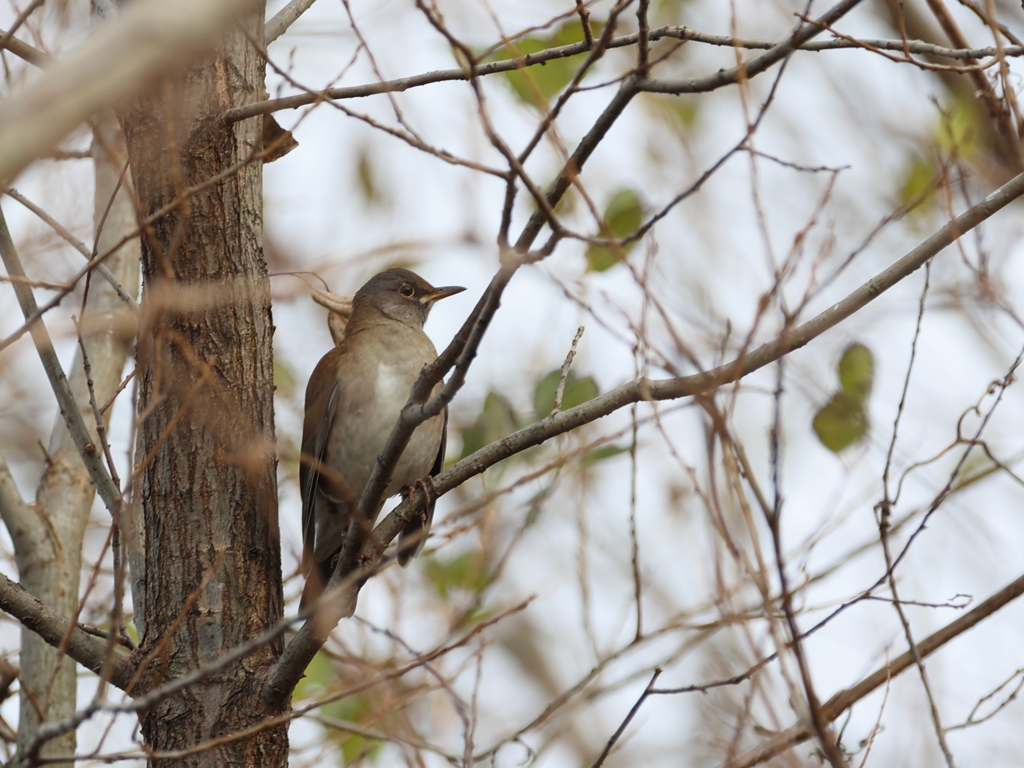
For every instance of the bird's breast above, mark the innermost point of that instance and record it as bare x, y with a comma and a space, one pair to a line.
391, 386
367, 412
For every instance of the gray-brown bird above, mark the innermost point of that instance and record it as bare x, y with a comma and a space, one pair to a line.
353, 400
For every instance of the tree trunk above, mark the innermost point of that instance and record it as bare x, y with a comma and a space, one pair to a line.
208, 465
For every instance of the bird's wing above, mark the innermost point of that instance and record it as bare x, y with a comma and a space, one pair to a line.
439, 461
315, 431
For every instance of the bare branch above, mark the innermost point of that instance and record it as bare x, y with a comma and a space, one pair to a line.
23, 50
284, 18
563, 51
69, 409
89, 651
670, 389
13, 509
843, 700
755, 66
625, 723
75, 243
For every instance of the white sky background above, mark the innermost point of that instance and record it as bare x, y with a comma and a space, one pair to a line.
849, 109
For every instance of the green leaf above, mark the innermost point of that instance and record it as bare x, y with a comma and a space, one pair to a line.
475, 615
841, 423
680, 113
468, 571
917, 188
577, 391
354, 709
623, 216
497, 418
959, 135
536, 85
856, 372
961, 127
318, 675
366, 176
604, 452
536, 505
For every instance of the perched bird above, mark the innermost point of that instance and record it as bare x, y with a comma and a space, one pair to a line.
353, 400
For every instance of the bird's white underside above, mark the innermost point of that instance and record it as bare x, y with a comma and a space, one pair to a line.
392, 386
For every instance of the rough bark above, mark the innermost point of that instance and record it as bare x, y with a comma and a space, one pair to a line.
208, 478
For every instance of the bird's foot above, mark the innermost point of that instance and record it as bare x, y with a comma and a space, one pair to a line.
426, 484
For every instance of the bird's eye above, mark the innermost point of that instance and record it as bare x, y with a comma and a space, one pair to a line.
407, 291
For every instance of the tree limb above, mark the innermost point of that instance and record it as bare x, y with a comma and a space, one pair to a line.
684, 34
23, 50
756, 65
89, 651
283, 19
16, 514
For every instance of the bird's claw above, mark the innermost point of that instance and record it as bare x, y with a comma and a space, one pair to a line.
426, 484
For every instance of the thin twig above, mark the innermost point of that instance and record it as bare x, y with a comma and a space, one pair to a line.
550, 54
565, 369
622, 727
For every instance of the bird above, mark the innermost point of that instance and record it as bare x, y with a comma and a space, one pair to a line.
353, 400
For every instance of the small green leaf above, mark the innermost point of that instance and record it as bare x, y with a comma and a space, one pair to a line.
467, 571
622, 216
687, 111
475, 615
538, 84
536, 505
366, 175
577, 391
856, 372
353, 709
497, 418
917, 188
977, 467
318, 675
961, 127
841, 423
604, 452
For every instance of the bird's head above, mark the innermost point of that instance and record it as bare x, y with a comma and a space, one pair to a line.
401, 295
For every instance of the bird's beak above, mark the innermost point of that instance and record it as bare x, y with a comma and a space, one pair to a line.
441, 293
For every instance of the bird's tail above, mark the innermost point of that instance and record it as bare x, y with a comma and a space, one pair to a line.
316, 581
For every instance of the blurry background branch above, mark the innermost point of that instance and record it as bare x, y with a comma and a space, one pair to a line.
151, 39
843, 700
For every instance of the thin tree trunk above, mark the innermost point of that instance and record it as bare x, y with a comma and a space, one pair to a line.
50, 559
208, 482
